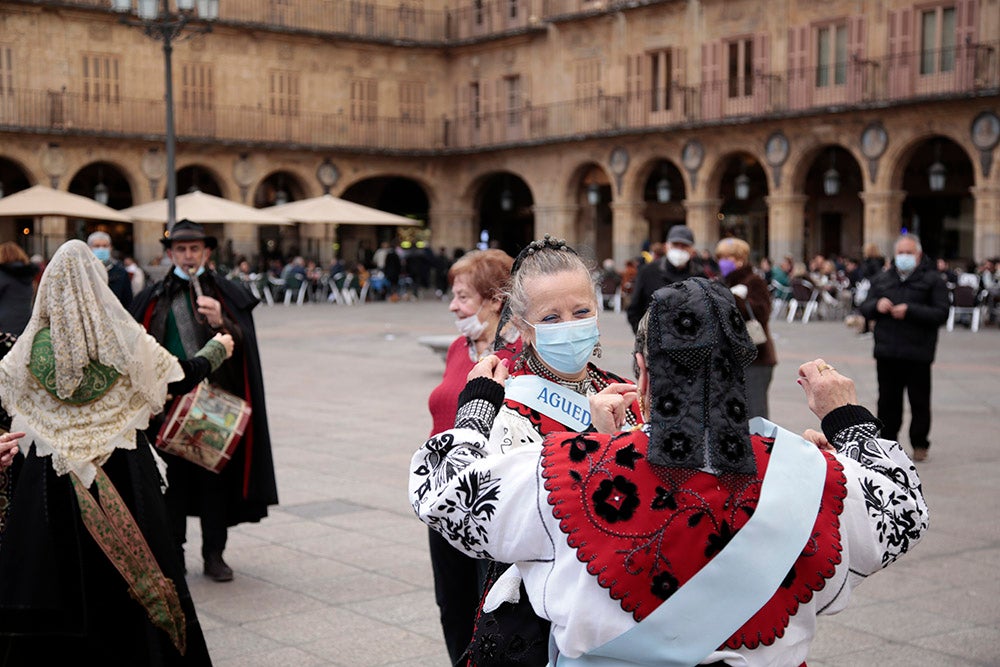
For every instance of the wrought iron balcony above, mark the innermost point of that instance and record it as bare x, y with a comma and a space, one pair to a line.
970, 70
405, 22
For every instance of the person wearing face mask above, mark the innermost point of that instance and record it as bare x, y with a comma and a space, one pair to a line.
701, 537
182, 315
551, 301
477, 281
680, 263
119, 279
752, 297
908, 303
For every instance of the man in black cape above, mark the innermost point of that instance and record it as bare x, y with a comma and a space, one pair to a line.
182, 320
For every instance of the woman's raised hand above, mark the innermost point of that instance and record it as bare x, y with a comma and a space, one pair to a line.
609, 406
491, 367
826, 389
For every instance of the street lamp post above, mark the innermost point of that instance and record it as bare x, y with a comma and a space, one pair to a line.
158, 22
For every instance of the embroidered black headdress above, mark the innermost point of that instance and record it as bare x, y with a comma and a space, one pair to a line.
545, 244
697, 347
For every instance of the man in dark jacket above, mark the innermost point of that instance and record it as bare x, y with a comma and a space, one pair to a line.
908, 303
182, 320
679, 264
119, 279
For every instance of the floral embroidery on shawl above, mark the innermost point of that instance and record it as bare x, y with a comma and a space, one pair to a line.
111, 525
633, 524
97, 379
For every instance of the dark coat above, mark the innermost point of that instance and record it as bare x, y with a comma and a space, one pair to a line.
913, 338
120, 283
759, 300
652, 277
248, 478
16, 292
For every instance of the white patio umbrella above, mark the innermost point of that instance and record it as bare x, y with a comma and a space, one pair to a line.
333, 210
40, 200
205, 208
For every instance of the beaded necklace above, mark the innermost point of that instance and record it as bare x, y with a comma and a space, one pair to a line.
593, 383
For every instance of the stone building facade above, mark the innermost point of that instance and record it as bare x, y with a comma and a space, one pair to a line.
803, 127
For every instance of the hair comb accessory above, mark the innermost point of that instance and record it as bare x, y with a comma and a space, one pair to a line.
544, 243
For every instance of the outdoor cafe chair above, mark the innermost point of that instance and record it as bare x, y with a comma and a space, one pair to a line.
804, 296
966, 301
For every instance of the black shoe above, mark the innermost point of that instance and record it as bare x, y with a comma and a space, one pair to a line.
216, 568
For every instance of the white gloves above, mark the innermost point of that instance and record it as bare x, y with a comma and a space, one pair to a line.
739, 290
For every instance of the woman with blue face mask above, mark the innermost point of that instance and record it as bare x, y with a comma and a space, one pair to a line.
551, 301
753, 300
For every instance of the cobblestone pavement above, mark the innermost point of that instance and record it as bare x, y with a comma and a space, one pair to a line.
339, 573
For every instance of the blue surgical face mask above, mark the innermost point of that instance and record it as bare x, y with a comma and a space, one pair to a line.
906, 263
103, 254
566, 346
726, 266
183, 275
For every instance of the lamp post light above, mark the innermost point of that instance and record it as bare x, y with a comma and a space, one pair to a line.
663, 192
936, 176
159, 23
831, 178
101, 194
742, 187
593, 194
506, 201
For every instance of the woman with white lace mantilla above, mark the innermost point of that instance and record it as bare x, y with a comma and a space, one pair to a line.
637, 545
88, 568
552, 302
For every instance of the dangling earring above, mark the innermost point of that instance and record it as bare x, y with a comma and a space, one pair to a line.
597, 350
642, 406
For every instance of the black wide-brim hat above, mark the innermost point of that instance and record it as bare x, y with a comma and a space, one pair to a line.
185, 230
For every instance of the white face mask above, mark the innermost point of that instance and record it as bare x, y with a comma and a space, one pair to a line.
471, 327
678, 257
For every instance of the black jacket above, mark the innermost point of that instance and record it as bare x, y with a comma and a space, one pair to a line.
120, 283
913, 338
16, 292
652, 277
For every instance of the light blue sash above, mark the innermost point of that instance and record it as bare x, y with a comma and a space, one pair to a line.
734, 585
555, 401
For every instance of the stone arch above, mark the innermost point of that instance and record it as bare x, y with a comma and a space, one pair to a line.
119, 189
743, 217
503, 203
279, 186
834, 211
590, 188
913, 143
387, 191
661, 213
715, 169
202, 177
941, 209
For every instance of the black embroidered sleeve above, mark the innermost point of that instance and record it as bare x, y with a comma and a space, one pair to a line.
850, 424
478, 405
886, 481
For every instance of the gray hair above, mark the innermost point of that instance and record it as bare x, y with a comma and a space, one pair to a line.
545, 261
911, 237
641, 336
98, 236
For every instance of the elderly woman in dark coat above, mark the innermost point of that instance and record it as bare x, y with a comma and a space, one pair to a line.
752, 296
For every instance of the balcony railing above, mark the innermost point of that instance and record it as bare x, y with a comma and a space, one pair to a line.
971, 69
405, 21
